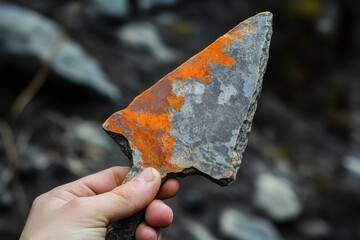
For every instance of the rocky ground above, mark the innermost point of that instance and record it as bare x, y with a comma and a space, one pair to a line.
300, 176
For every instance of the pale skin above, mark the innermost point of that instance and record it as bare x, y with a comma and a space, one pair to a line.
82, 209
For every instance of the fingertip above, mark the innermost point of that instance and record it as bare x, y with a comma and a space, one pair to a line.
157, 176
129, 198
169, 189
158, 214
156, 172
145, 232
149, 175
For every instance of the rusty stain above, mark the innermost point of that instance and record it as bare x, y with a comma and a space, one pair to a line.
246, 29
199, 66
146, 122
176, 102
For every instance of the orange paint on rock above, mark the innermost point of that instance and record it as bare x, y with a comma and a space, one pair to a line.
176, 102
243, 29
146, 123
199, 67
153, 100
111, 125
149, 133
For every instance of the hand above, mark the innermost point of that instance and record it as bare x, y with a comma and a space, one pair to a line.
82, 209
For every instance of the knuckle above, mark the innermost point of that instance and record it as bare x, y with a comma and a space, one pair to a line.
126, 197
124, 194
78, 204
40, 200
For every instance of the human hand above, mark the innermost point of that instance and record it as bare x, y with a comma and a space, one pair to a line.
82, 209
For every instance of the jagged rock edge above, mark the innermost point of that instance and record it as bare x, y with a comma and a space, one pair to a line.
245, 129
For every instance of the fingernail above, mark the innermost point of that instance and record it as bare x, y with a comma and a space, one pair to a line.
147, 175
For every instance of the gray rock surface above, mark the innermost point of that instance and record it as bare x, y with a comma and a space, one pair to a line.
27, 33
276, 197
237, 225
216, 94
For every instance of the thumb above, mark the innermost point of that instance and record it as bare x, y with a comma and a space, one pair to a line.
129, 198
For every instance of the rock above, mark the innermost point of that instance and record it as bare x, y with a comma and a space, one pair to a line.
77, 167
167, 19
276, 197
121, 9
352, 164
197, 118
85, 142
314, 228
115, 9
34, 35
6, 176
6, 198
145, 36
329, 20
198, 231
237, 225
151, 4
35, 160
87, 133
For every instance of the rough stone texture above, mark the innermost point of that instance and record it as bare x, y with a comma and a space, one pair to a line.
196, 119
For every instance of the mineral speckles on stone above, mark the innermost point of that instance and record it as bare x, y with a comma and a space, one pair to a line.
192, 89
191, 120
227, 91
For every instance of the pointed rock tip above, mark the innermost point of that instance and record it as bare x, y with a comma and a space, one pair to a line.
251, 25
265, 14
268, 16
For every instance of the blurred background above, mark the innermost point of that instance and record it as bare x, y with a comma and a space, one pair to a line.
67, 65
